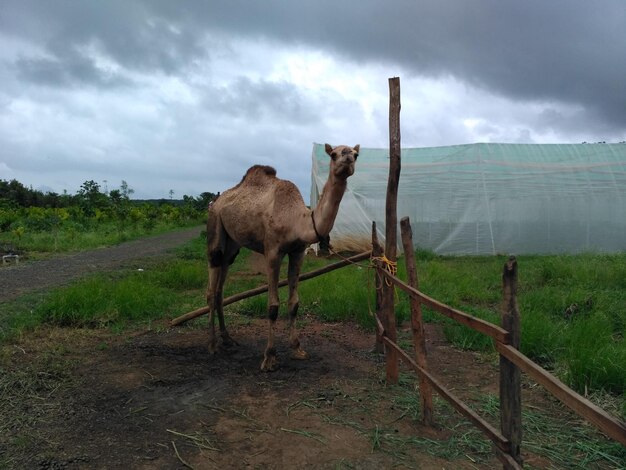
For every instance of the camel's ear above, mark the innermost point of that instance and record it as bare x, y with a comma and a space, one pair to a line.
329, 149
356, 148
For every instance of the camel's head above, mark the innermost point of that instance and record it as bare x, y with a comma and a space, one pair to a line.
343, 159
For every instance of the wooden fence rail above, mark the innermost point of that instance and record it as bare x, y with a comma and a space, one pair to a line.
611, 426
262, 289
502, 445
489, 329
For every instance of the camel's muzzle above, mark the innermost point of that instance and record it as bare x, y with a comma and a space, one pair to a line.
345, 170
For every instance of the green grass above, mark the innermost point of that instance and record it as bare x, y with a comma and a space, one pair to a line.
340, 295
588, 342
98, 301
101, 301
114, 300
586, 347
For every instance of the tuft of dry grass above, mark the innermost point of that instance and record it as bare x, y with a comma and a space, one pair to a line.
351, 243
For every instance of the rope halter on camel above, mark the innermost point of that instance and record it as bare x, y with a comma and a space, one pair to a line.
320, 239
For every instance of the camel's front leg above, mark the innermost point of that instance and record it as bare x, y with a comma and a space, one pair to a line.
230, 253
214, 303
295, 263
227, 341
273, 270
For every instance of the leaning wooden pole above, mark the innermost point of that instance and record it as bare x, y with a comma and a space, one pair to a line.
377, 253
262, 289
391, 225
510, 374
417, 323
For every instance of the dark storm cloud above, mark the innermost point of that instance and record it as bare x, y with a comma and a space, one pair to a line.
261, 99
561, 50
131, 33
74, 69
569, 51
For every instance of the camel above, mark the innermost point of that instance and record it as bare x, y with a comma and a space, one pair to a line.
267, 215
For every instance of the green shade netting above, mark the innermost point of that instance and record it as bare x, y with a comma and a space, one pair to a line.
489, 198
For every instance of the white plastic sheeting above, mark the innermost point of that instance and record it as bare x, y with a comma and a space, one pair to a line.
489, 198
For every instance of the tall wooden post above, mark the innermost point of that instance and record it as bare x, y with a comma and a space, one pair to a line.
510, 375
417, 324
391, 223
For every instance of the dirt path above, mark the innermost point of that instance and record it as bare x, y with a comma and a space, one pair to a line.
59, 270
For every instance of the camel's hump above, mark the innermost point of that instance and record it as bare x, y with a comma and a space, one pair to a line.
265, 169
257, 172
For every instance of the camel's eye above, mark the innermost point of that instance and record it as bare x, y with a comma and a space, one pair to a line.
333, 155
356, 155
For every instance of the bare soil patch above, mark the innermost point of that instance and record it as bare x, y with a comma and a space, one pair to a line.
105, 401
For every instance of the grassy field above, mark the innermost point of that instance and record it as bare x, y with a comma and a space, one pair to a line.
572, 307
37, 243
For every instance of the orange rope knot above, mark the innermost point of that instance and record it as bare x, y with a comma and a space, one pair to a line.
390, 266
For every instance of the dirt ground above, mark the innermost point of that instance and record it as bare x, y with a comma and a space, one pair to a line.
155, 398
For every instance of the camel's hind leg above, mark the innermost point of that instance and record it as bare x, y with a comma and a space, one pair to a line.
219, 261
295, 263
221, 252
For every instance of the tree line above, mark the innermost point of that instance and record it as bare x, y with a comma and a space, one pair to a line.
36, 210
14, 194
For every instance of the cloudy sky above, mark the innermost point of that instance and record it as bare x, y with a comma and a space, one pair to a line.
186, 95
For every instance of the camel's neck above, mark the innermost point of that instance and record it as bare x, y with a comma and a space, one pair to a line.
326, 211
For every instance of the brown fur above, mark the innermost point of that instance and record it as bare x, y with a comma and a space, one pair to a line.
267, 214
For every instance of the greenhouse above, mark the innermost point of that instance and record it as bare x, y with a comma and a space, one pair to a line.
485, 199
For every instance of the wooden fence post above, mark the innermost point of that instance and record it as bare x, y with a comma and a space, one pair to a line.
377, 252
510, 374
391, 225
417, 324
